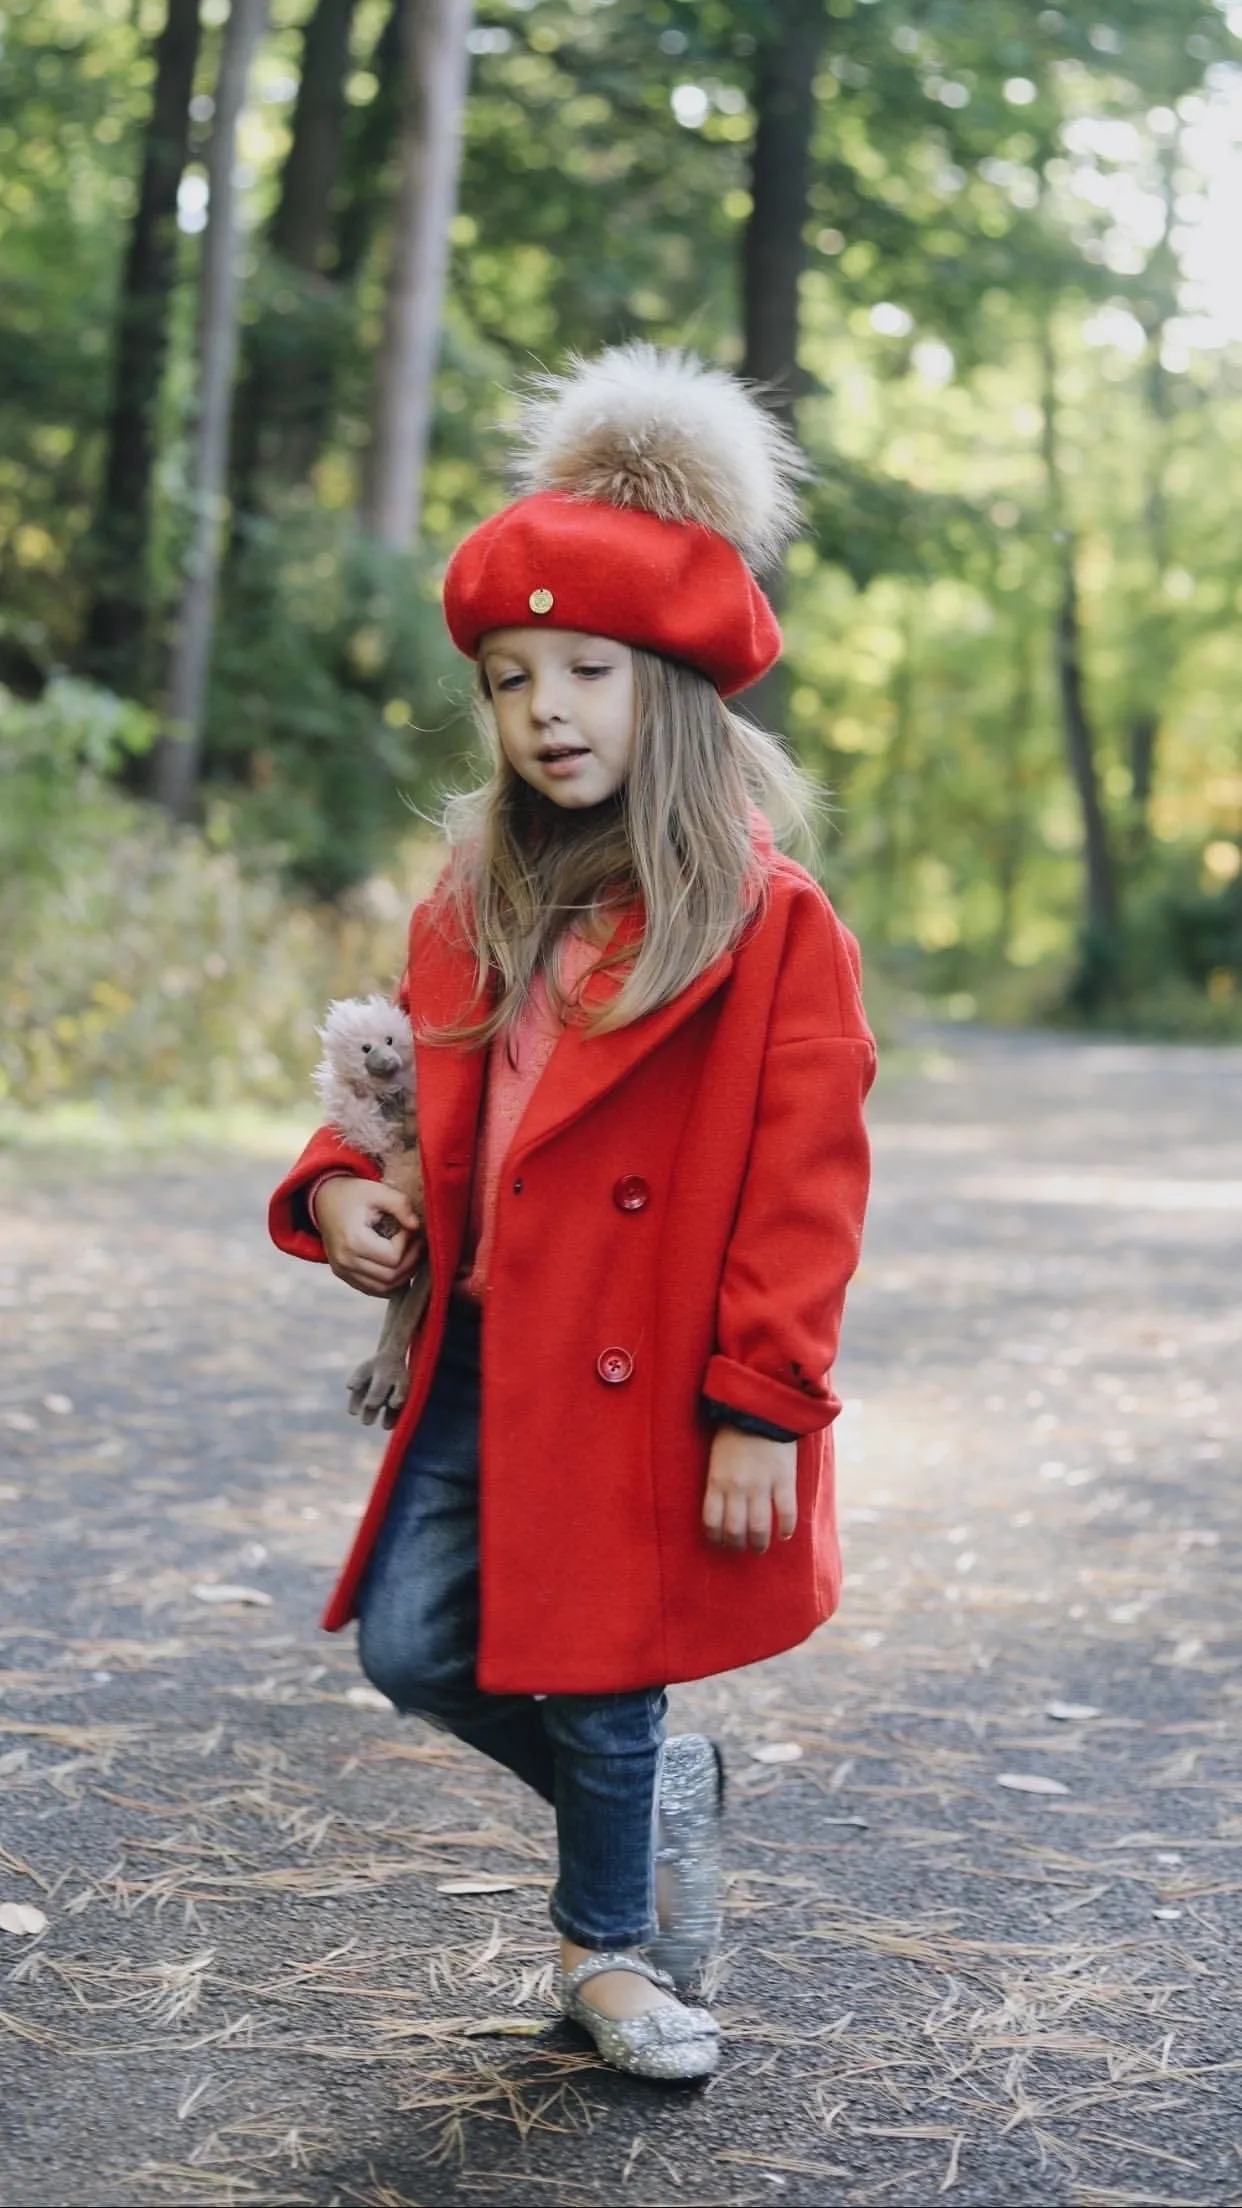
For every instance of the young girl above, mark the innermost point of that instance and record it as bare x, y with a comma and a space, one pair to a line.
641, 1061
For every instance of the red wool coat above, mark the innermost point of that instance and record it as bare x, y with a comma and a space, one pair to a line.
678, 1216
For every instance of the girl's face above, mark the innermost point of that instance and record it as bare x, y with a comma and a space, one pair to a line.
565, 710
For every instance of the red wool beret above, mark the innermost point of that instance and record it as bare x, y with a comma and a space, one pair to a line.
672, 587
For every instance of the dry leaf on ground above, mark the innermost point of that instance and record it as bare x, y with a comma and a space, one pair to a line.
22, 1919
1030, 1782
478, 1886
210, 1591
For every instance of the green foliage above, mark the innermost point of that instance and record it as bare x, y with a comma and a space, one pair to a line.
71, 88
1176, 970
974, 187
1205, 935
589, 212
145, 963
337, 702
75, 737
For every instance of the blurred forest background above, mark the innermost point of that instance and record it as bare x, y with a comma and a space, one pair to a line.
268, 271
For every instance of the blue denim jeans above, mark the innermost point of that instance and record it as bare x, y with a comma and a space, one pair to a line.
595, 1757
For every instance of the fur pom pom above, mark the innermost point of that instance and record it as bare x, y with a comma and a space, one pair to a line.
662, 432
365, 1079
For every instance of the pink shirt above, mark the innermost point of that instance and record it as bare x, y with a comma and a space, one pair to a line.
516, 1063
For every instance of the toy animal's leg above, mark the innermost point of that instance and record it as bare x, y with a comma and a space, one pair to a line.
382, 1382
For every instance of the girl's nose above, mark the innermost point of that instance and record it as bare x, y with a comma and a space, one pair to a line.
545, 701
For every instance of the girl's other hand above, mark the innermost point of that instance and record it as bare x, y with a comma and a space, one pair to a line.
749, 1480
352, 1215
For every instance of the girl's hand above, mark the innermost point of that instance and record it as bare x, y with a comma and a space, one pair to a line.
349, 1212
748, 1479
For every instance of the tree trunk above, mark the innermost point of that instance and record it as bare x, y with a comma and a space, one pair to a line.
774, 241
1157, 642
1014, 830
112, 648
1143, 732
292, 447
1100, 910
178, 760
774, 244
369, 140
437, 66
288, 348
299, 232
1100, 902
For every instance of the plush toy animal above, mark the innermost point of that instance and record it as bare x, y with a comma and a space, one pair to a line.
365, 1081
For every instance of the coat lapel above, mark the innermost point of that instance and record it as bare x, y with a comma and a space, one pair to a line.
585, 1066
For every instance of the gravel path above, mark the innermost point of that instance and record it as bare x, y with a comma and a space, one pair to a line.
986, 1830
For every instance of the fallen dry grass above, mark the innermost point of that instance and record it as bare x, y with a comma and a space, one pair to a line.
296, 1952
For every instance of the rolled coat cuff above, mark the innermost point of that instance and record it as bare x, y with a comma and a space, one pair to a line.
288, 1219
797, 1410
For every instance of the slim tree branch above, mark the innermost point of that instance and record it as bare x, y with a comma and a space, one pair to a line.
177, 765
113, 644
437, 64
1099, 881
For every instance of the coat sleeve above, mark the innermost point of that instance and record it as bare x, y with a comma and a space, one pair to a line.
289, 1219
798, 1230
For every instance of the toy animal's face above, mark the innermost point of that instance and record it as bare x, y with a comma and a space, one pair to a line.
368, 1047
379, 1064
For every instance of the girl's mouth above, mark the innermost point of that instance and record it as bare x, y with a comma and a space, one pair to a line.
561, 758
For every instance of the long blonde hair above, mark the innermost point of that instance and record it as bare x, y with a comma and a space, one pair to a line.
676, 841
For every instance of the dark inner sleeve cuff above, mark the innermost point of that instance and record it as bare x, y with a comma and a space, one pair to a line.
721, 1414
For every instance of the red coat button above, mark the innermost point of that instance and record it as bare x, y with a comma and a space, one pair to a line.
614, 1366
631, 1193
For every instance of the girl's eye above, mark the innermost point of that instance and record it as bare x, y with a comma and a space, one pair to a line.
510, 682
591, 672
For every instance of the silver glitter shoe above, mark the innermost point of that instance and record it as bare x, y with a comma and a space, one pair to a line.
689, 1869
666, 2042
